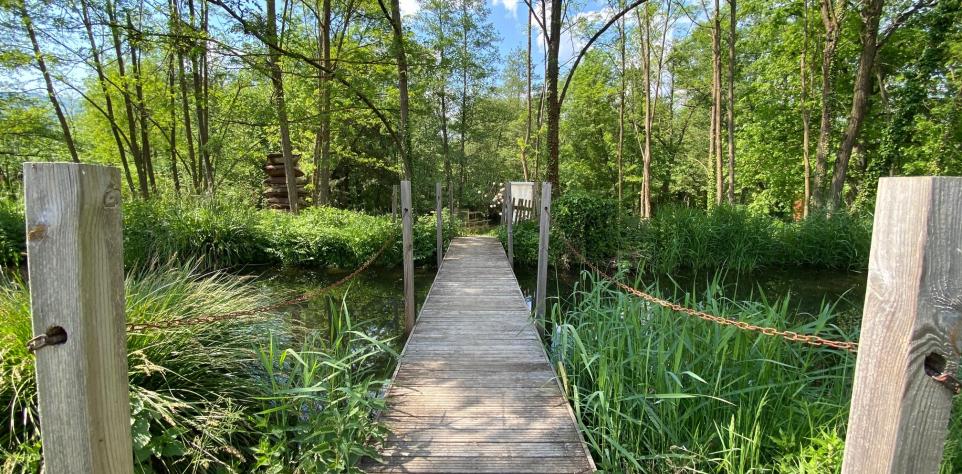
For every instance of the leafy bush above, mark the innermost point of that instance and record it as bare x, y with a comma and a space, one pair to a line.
12, 240
200, 399
223, 234
681, 238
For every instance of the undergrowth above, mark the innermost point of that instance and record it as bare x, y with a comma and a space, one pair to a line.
250, 395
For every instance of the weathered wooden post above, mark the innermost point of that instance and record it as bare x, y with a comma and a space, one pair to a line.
910, 340
509, 211
544, 233
440, 222
408, 249
76, 271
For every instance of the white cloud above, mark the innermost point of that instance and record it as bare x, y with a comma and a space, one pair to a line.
410, 7
510, 5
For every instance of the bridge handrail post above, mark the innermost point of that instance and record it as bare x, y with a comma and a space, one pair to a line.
440, 222
76, 274
509, 212
544, 234
407, 242
909, 345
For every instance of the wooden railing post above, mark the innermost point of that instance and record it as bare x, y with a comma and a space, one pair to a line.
76, 271
407, 225
544, 233
509, 211
440, 222
910, 329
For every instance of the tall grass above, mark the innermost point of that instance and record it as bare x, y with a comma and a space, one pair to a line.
203, 398
661, 392
12, 241
656, 391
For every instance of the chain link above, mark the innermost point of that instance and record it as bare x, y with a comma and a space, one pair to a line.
809, 339
261, 310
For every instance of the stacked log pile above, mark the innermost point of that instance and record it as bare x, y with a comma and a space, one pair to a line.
276, 182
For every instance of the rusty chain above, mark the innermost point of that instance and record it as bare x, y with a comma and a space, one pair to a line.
261, 310
793, 336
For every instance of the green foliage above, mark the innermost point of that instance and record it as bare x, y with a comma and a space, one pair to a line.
661, 392
12, 232
222, 233
200, 401
680, 238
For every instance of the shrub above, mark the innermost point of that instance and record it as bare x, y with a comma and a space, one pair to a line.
200, 399
12, 240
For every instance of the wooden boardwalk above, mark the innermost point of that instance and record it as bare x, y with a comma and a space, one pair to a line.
474, 391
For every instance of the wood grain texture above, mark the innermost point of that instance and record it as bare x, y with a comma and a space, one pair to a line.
407, 242
75, 260
913, 309
509, 202
474, 390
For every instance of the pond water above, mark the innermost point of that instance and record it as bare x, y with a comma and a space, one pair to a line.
375, 303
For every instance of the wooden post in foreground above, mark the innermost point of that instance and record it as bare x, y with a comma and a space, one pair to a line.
408, 249
544, 232
509, 211
910, 330
440, 224
75, 260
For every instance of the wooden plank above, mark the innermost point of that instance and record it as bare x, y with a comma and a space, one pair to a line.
75, 262
509, 200
910, 331
408, 250
474, 390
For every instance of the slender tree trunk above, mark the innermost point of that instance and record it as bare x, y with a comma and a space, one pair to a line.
135, 149
710, 164
198, 55
277, 81
102, 80
403, 101
553, 105
644, 27
172, 93
731, 100
717, 99
830, 22
527, 129
465, 66
146, 157
48, 81
871, 14
322, 146
806, 118
622, 35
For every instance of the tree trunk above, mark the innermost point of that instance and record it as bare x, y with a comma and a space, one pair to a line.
172, 93
871, 14
102, 80
553, 105
644, 26
527, 102
716, 87
806, 118
403, 101
51, 92
135, 149
277, 81
830, 22
146, 157
622, 38
198, 55
322, 147
731, 100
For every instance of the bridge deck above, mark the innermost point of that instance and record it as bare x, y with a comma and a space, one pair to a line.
474, 391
